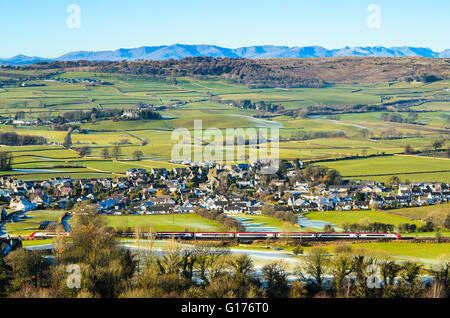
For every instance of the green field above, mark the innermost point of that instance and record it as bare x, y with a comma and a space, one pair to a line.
26, 243
435, 213
431, 251
162, 223
192, 99
351, 217
31, 221
255, 223
418, 252
405, 167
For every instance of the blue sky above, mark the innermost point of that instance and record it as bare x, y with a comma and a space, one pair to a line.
39, 28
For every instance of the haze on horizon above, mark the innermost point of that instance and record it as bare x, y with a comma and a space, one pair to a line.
40, 29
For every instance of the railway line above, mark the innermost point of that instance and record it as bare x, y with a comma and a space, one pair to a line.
242, 236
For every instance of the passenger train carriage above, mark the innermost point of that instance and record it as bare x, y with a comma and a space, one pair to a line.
176, 235
255, 235
379, 235
338, 235
296, 235
214, 235
44, 235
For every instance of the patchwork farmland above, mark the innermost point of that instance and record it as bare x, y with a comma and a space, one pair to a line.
189, 99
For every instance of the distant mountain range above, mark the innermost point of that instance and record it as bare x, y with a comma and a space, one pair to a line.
179, 51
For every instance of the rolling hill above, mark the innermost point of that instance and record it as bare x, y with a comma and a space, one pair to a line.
179, 51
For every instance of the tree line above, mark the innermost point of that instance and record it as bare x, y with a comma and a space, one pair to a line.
253, 73
285, 216
399, 118
308, 135
316, 175
90, 115
5, 161
261, 105
149, 114
230, 224
96, 114
377, 227
13, 139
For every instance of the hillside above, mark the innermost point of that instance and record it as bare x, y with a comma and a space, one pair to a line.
287, 73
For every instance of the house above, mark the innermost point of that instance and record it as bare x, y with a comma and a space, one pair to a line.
436, 196
403, 200
136, 172
159, 172
404, 189
295, 201
187, 207
371, 189
20, 187
173, 186
214, 182
232, 209
86, 186
65, 191
254, 210
161, 209
217, 205
420, 201
339, 188
180, 172
323, 204
162, 200
390, 202
107, 204
446, 195
106, 183
243, 166
40, 199
22, 205
91, 197
130, 115
302, 205
291, 174
344, 206
434, 186
299, 164
277, 183
245, 183
361, 205
416, 193
302, 187
377, 202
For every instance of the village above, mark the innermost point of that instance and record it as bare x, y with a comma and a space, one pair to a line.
229, 189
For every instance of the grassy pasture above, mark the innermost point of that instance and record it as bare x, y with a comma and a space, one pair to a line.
340, 217
419, 252
55, 98
436, 213
31, 221
161, 223
263, 223
406, 167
